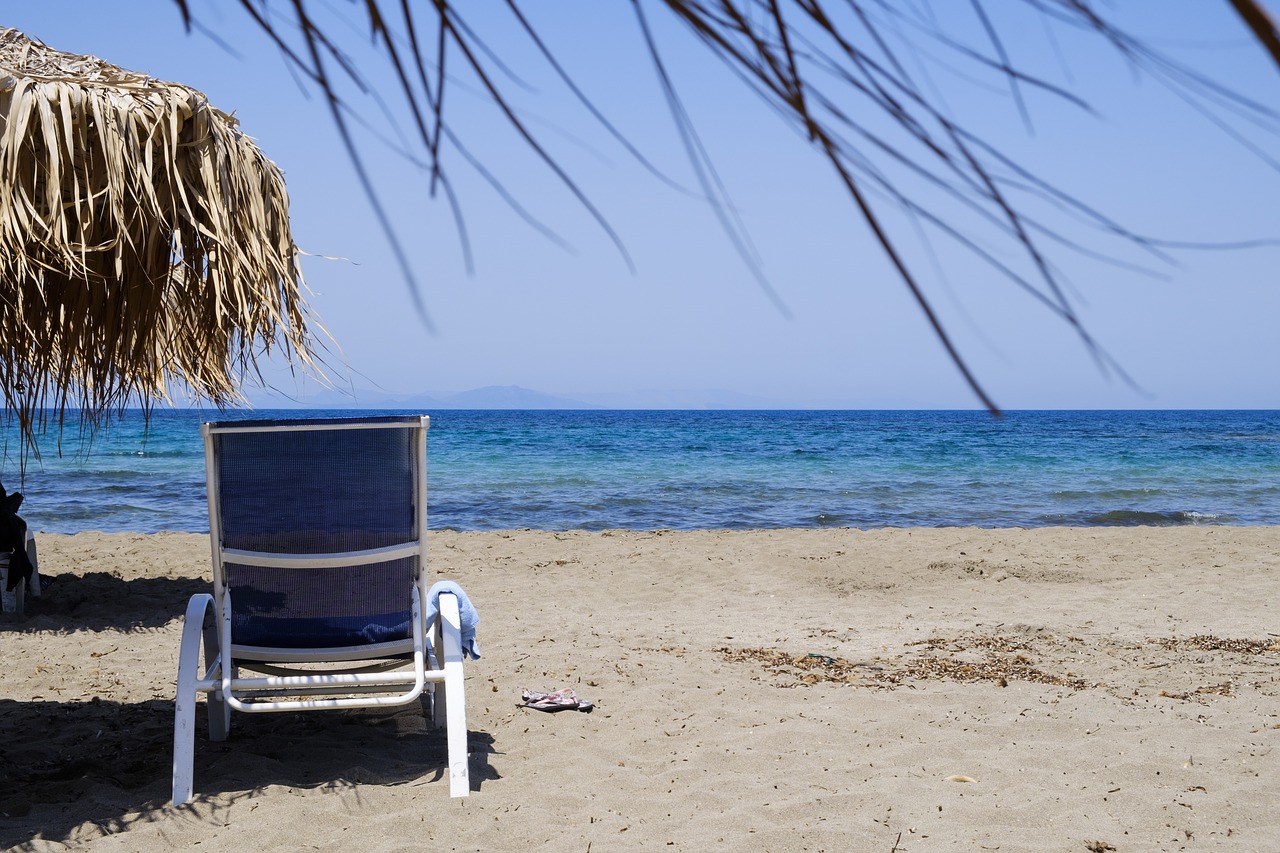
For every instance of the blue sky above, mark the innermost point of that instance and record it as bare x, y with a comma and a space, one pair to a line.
691, 318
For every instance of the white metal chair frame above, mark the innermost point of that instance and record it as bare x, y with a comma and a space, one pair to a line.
372, 675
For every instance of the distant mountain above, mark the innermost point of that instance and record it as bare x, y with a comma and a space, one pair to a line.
490, 397
331, 398
682, 400
509, 397
516, 397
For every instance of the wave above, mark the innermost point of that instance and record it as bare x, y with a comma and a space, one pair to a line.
1144, 518
184, 453
1107, 494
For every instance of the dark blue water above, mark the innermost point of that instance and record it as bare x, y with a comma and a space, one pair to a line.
697, 469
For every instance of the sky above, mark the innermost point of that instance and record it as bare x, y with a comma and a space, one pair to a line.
681, 316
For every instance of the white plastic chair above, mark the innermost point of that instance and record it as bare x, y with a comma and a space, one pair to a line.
318, 531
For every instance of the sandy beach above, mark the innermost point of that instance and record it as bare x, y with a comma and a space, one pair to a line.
787, 690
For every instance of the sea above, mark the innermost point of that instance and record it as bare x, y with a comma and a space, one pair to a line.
595, 470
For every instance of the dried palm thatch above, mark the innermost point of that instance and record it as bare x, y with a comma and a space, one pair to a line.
145, 248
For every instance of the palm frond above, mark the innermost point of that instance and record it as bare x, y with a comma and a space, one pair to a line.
837, 74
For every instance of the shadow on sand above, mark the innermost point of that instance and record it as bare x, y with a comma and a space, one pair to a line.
65, 765
100, 601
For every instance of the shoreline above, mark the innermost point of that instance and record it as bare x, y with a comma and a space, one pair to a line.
790, 689
434, 531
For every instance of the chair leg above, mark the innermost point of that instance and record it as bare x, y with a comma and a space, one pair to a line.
453, 700
219, 710
184, 710
435, 660
34, 586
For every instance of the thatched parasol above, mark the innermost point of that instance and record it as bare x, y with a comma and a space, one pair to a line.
145, 248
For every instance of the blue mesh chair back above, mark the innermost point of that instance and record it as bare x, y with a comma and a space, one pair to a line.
322, 488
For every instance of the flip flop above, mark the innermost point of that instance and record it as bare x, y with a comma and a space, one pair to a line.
560, 700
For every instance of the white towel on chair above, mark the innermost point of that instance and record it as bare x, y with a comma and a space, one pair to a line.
466, 614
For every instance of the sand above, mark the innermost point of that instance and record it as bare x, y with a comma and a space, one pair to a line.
797, 690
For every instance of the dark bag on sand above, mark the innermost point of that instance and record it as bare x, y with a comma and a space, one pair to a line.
13, 538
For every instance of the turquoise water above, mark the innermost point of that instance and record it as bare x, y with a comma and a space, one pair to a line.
709, 469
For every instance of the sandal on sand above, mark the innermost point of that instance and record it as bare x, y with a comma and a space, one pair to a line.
559, 700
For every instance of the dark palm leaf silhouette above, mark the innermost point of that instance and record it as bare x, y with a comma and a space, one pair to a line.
840, 72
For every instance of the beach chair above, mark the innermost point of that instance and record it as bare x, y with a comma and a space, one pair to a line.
18, 569
320, 594
14, 600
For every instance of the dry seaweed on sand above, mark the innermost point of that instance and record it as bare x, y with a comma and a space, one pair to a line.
812, 668
1210, 643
